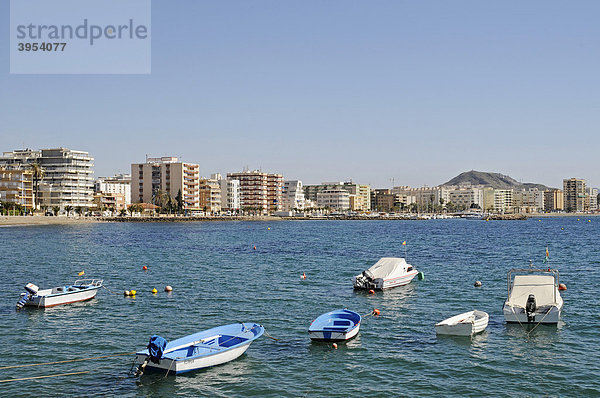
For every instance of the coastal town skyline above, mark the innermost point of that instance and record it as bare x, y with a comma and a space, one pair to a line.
420, 93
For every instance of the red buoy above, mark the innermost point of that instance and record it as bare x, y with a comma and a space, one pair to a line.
562, 286
145, 268
376, 312
371, 291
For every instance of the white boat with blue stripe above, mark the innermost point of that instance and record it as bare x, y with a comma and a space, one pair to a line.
199, 350
338, 325
80, 290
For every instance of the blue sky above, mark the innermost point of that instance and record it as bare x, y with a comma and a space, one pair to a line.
414, 91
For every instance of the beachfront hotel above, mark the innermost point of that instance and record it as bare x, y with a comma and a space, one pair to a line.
360, 195
292, 195
165, 175
67, 180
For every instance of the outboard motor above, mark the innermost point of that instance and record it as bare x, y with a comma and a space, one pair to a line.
156, 348
530, 308
30, 291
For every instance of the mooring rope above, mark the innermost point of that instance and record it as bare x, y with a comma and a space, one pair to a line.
66, 361
46, 376
271, 337
110, 291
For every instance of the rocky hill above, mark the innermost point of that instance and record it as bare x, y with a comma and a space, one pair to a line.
494, 180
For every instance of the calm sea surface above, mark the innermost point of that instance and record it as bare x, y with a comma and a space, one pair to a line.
218, 279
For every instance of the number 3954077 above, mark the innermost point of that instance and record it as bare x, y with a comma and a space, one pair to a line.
41, 46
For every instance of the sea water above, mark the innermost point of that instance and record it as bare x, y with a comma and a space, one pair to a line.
219, 278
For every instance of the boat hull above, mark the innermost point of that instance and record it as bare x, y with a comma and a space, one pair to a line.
401, 281
549, 315
178, 366
325, 335
53, 300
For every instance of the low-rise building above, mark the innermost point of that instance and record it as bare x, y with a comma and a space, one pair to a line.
209, 195
117, 184
16, 187
292, 195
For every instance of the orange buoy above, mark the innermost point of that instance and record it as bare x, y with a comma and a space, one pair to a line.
562, 286
145, 268
254, 247
376, 312
334, 345
303, 276
371, 291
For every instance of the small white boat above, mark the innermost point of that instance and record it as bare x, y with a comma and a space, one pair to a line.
199, 350
80, 290
466, 324
533, 296
338, 325
386, 273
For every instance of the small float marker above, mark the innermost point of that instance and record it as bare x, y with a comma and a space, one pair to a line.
254, 247
82, 273
371, 291
562, 286
154, 291
303, 276
477, 284
145, 268
334, 345
126, 293
168, 288
268, 229
375, 312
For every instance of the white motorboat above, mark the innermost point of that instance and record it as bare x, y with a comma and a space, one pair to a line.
80, 290
533, 296
466, 324
386, 273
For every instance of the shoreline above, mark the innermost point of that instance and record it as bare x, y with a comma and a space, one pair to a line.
10, 221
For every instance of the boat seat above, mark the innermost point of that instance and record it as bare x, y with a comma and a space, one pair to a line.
334, 329
344, 322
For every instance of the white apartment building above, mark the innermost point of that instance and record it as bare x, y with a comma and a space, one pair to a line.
592, 194
335, 199
292, 195
117, 184
230, 193
466, 197
503, 200
166, 175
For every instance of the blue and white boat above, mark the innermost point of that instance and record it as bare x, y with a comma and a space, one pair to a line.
199, 350
338, 325
80, 290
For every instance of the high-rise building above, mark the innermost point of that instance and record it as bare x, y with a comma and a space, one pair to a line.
503, 200
575, 195
259, 192
529, 200
553, 200
68, 179
164, 177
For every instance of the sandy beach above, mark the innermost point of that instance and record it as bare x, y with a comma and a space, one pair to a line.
6, 221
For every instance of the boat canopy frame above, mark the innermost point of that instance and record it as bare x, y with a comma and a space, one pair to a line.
528, 271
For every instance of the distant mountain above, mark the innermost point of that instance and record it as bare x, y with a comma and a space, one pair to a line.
494, 180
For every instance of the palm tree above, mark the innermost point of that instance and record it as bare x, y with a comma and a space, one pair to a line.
37, 173
68, 209
55, 210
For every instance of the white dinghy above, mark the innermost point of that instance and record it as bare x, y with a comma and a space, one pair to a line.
466, 324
